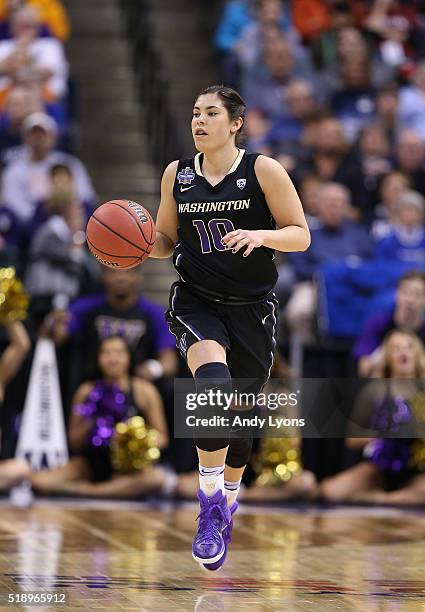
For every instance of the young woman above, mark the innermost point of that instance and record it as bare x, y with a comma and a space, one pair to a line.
390, 472
98, 405
218, 216
13, 471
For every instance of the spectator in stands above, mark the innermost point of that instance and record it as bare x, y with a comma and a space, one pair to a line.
350, 44
26, 58
26, 180
398, 31
406, 241
13, 471
327, 46
412, 102
286, 132
391, 188
265, 84
337, 239
373, 157
120, 309
387, 113
12, 239
410, 156
330, 159
112, 397
271, 20
389, 472
310, 193
22, 101
407, 314
310, 197
61, 188
314, 18
354, 102
236, 16
53, 18
257, 132
58, 260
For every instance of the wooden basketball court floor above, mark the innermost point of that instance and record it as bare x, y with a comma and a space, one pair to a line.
134, 556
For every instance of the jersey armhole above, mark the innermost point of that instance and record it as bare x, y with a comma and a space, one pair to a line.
254, 161
257, 155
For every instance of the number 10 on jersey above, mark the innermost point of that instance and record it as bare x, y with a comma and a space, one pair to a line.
213, 232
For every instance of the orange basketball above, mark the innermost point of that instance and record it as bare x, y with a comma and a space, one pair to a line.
120, 234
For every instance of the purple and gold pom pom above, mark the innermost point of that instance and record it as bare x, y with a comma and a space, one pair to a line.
134, 446
278, 461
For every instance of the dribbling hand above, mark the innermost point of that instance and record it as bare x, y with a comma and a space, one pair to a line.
239, 238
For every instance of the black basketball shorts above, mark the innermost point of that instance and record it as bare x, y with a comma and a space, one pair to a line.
246, 331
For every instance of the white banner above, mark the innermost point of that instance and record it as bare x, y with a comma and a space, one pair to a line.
42, 436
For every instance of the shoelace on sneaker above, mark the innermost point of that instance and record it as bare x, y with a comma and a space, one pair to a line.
211, 516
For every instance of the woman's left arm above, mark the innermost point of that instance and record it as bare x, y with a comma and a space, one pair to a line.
149, 400
285, 206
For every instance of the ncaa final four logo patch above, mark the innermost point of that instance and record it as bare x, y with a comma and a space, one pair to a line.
241, 183
186, 176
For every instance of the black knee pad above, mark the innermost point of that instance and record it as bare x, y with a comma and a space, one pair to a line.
215, 376
239, 452
211, 444
240, 442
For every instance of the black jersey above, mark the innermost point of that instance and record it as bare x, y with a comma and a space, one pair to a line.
206, 213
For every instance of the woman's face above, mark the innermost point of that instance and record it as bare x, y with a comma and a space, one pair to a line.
392, 187
374, 142
401, 356
114, 359
211, 126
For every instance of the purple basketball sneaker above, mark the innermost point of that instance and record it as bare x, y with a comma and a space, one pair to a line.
214, 518
227, 537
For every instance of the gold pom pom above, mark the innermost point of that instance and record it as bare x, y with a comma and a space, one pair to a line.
277, 462
13, 298
417, 455
417, 405
134, 446
417, 448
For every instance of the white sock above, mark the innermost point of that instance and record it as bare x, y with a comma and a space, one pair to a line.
231, 490
211, 479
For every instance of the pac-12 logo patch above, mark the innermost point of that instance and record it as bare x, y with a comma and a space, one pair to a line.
241, 183
186, 176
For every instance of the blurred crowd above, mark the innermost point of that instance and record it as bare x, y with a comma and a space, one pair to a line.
336, 92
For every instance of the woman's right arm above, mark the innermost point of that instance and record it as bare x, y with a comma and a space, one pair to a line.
79, 426
15, 353
166, 220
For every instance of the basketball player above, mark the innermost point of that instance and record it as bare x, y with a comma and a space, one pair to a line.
218, 216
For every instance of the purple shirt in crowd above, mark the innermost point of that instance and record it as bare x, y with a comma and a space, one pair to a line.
143, 325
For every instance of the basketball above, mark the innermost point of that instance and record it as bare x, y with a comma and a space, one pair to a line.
120, 234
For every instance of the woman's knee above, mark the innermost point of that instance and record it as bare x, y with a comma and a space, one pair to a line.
205, 351
332, 490
13, 472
